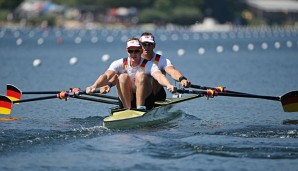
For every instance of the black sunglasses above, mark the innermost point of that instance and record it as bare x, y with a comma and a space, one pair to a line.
133, 51
147, 44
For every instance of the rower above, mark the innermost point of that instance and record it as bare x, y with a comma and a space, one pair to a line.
134, 78
164, 64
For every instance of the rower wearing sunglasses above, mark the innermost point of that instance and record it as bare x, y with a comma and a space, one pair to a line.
134, 84
163, 63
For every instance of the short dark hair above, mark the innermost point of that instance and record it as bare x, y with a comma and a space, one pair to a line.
147, 34
134, 38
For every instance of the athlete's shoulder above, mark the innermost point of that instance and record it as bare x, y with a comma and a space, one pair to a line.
163, 57
119, 62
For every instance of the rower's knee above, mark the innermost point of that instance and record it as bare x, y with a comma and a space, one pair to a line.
123, 78
141, 78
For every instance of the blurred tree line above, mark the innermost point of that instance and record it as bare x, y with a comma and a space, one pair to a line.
159, 11
7, 6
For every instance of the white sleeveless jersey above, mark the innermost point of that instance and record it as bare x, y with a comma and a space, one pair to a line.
121, 66
162, 62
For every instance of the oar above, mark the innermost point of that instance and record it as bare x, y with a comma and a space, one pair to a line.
104, 96
34, 99
15, 93
218, 89
97, 100
40, 92
289, 100
6, 102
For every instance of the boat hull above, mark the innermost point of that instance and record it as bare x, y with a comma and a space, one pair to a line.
135, 119
162, 113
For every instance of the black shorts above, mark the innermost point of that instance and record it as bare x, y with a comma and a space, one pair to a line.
149, 102
161, 95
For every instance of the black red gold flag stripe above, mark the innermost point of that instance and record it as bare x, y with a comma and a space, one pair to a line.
5, 105
13, 92
143, 64
157, 58
290, 102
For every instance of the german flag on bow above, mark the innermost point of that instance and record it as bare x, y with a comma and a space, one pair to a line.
5, 105
13, 93
290, 101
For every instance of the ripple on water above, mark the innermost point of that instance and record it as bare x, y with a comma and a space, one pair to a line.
261, 131
75, 128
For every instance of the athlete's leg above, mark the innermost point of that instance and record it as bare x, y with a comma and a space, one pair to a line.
124, 90
143, 88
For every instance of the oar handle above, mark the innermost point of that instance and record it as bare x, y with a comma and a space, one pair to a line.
74, 92
77, 92
183, 91
218, 89
55, 92
104, 96
97, 100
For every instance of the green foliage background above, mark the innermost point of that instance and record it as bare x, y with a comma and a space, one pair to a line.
158, 11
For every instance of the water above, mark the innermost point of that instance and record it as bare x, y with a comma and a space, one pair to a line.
222, 133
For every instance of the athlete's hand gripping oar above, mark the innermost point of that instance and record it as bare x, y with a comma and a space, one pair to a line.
77, 94
218, 89
289, 100
104, 89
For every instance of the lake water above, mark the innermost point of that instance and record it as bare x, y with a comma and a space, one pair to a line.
222, 133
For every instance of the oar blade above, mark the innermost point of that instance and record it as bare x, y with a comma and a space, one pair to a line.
13, 93
5, 105
289, 101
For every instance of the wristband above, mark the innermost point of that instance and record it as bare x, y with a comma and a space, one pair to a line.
182, 78
110, 84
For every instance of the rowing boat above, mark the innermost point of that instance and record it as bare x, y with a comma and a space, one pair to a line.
123, 119
162, 112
